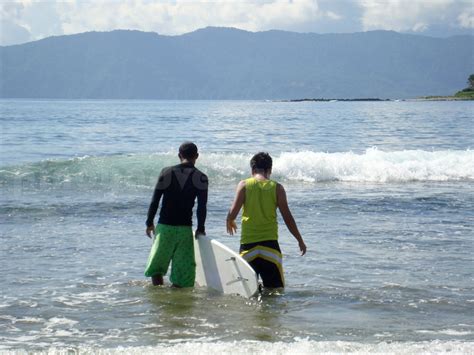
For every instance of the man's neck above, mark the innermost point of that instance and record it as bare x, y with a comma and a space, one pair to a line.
186, 161
260, 176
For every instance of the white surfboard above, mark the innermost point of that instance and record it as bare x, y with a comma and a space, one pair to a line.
222, 269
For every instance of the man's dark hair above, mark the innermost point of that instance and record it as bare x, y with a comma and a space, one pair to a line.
188, 150
261, 161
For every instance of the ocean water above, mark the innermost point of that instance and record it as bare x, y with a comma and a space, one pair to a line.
383, 193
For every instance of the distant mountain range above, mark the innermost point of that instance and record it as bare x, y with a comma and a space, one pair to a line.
227, 63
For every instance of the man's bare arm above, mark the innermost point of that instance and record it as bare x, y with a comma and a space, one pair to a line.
282, 203
239, 200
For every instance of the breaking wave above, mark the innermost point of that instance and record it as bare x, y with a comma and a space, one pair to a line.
304, 166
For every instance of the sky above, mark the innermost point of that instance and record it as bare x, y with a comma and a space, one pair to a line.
28, 20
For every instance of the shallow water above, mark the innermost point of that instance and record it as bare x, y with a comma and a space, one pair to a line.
382, 192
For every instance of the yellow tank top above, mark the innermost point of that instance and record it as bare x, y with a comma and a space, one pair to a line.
259, 219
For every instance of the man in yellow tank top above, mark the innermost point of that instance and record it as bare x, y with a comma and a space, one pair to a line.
260, 198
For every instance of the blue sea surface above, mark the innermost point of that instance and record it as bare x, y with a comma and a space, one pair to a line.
383, 194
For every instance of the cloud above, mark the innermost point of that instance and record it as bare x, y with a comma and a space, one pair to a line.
333, 15
466, 19
183, 16
12, 32
25, 20
48, 18
415, 15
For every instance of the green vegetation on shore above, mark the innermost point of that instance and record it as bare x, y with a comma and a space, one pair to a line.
464, 94
467, 93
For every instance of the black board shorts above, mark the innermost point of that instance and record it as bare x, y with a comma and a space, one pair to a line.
266, 259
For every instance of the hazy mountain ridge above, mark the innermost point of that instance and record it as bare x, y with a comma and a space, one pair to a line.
226, 63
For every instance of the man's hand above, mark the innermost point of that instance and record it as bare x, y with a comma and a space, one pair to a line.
150, 230
197, 233
302, 246
236, 206
231, 226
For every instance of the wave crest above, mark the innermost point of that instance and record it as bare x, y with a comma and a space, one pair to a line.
304, 166
376, 166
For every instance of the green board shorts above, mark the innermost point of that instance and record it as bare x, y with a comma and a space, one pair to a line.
173, 244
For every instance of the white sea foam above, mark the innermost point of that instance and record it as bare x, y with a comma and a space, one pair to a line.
446, 332
60, 321
372, 165
83, 298
377, 166
256, 347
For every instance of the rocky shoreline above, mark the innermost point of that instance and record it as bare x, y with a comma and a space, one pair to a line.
334, 100
444, 98
427, 98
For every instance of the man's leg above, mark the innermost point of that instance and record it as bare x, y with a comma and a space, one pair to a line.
183, 267
157, 280
266, 259
160, 254
271, 274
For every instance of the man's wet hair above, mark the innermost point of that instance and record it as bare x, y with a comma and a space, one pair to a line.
261, 162
188, 150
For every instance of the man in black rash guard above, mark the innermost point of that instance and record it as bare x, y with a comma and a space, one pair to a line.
179, 186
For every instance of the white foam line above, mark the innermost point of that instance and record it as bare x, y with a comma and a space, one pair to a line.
300, 346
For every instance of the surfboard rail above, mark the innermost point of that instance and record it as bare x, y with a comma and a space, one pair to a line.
220, 268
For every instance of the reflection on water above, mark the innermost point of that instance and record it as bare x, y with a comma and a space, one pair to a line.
188, 313
389, 230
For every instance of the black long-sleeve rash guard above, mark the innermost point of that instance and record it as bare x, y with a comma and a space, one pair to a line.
180, 185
